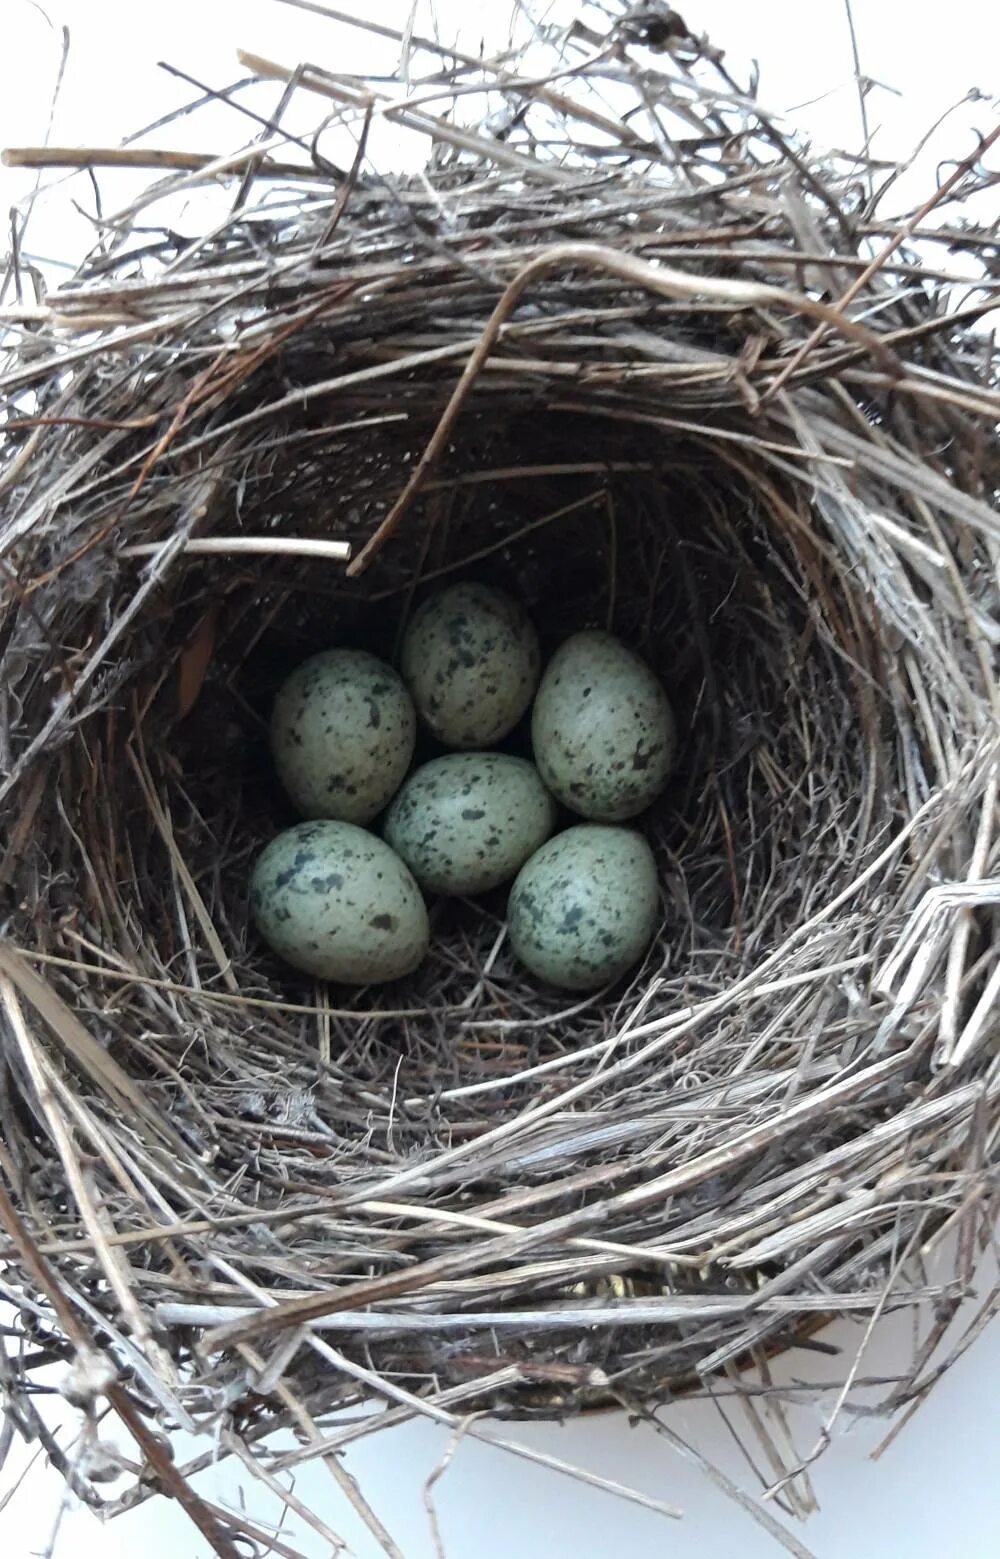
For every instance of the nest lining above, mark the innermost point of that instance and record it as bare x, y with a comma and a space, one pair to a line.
483, 1193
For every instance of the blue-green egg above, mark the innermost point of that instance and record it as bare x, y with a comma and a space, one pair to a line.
585, 907
343, 729
466, 822
602, 730
471, 660
336, 902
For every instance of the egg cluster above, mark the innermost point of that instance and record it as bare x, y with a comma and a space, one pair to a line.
342, 903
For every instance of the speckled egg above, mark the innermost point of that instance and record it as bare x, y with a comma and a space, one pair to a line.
602, 730
467, 822
471, 660
337, 903
585, 906
342, 735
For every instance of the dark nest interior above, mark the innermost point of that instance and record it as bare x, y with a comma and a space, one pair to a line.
626, 386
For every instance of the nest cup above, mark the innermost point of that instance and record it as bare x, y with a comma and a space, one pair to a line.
483, 1193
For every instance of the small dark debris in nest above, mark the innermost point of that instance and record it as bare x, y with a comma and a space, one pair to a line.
482, 1194
655, 25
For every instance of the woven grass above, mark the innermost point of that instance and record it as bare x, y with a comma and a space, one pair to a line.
689, 385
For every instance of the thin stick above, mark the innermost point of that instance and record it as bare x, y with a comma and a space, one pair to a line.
252, 546
757, 1511
230, 999
256, 1468
458, 1434
947, 1049
859, 80
600, 1314
143, 157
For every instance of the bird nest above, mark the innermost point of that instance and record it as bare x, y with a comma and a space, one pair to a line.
689, 387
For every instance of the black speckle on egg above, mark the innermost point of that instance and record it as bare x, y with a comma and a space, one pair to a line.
325, 884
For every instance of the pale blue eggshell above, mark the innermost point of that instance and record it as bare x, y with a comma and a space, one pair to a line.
471, 660
336, 902
585, 907
343, 729
602, 729
466, 822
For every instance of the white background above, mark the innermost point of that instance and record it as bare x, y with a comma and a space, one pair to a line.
936, 1491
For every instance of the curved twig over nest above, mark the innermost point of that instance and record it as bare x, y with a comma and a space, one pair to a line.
688, 384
